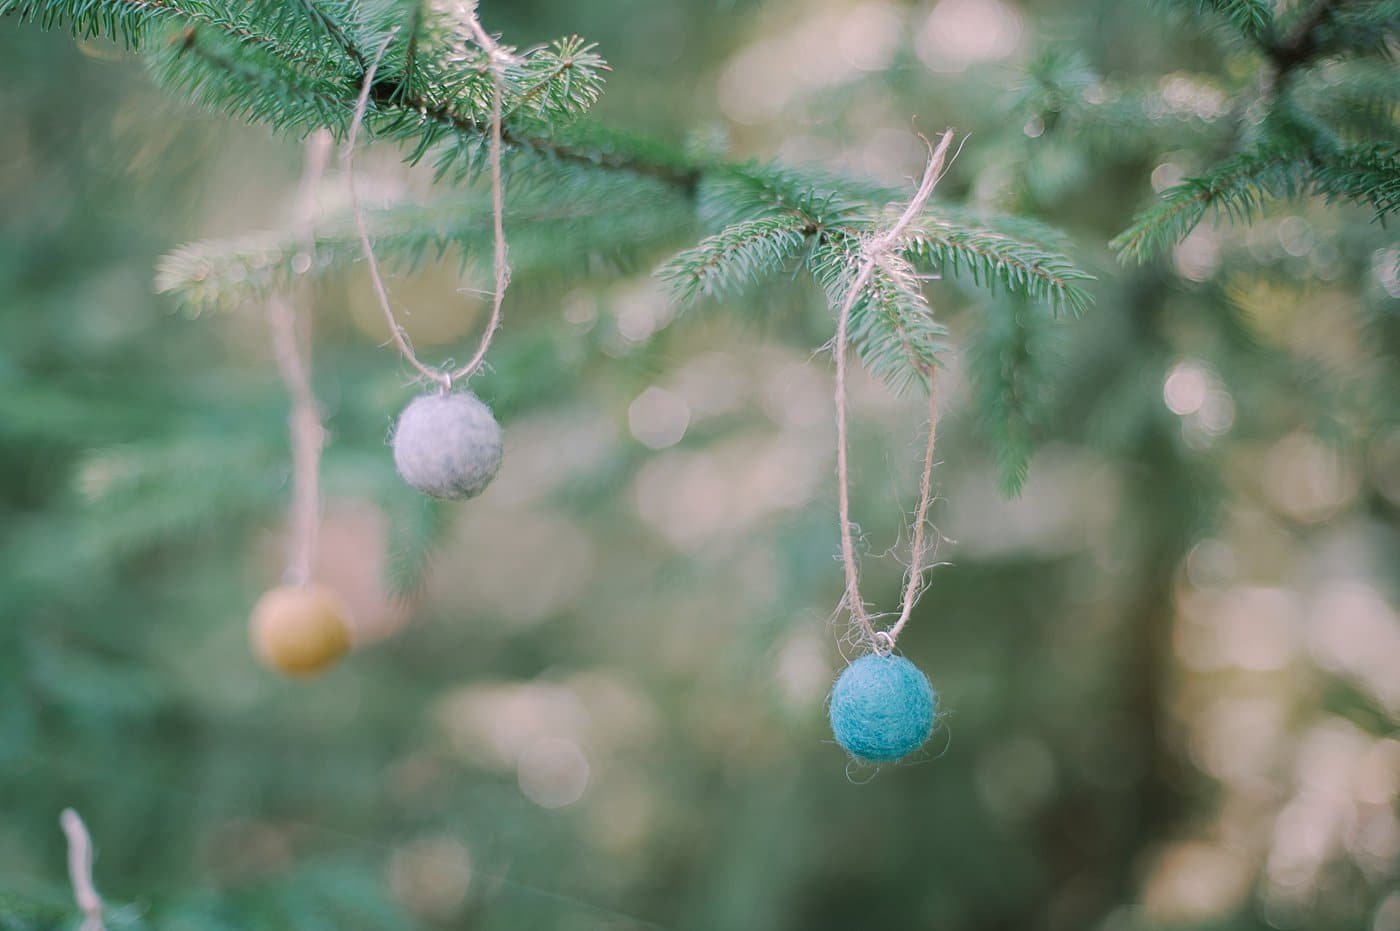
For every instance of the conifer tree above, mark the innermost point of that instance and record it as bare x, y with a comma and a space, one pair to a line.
1225, 188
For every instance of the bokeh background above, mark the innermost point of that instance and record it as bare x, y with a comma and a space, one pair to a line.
1171, 667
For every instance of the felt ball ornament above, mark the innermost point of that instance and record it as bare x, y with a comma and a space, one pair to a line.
447, 445
882, 708
300, 630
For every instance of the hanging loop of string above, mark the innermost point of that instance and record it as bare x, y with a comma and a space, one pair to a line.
292, 351
496, 61
875, 251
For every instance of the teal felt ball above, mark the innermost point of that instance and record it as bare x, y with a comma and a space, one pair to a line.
882, 709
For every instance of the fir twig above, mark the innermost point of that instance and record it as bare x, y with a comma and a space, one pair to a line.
992, 258
735, 258
1251, 18
1239, 186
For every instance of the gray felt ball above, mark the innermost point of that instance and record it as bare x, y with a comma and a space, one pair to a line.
447, 445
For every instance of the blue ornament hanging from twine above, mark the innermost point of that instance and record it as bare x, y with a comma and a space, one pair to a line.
883, 708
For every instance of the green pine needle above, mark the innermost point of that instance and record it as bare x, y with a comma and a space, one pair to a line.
1239, 186
730, 261
993, 259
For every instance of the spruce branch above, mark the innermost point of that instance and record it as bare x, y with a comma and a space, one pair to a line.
891, 326
729, 194
1362, 174
612, 219
995, 259
1252, 19
1239, 186
270, 25
559, 81
1370, 28
1301, 145
1011, 376
126, 21
257, 87
1303, 42
329, 23
736, 258
299, 66
1358, 99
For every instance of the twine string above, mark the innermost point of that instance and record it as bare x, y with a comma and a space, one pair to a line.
307, 435
918, 548
873, 253
80, 870
292, 352
497, 59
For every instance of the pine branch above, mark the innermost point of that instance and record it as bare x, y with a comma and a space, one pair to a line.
734, 193
1239, 186
267, 25
1300, 144
892, 326
1010, 362
253, 85
581, 144
1363, 174
992, 258
329, 23
1369, 28
417, 527
1252, 19
1303, 41
738, 257
127, 21
132, 510
1122, 123
557, 82
298, 66
1359, 100
611, 218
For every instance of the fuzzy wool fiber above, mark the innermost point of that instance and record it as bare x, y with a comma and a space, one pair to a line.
447, 445
882, 708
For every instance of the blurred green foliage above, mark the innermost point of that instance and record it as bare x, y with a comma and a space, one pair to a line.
1170, 663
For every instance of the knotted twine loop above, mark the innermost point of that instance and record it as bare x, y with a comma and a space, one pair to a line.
497, 61
875, 252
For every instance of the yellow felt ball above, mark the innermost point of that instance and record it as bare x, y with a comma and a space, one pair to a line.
300, 630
